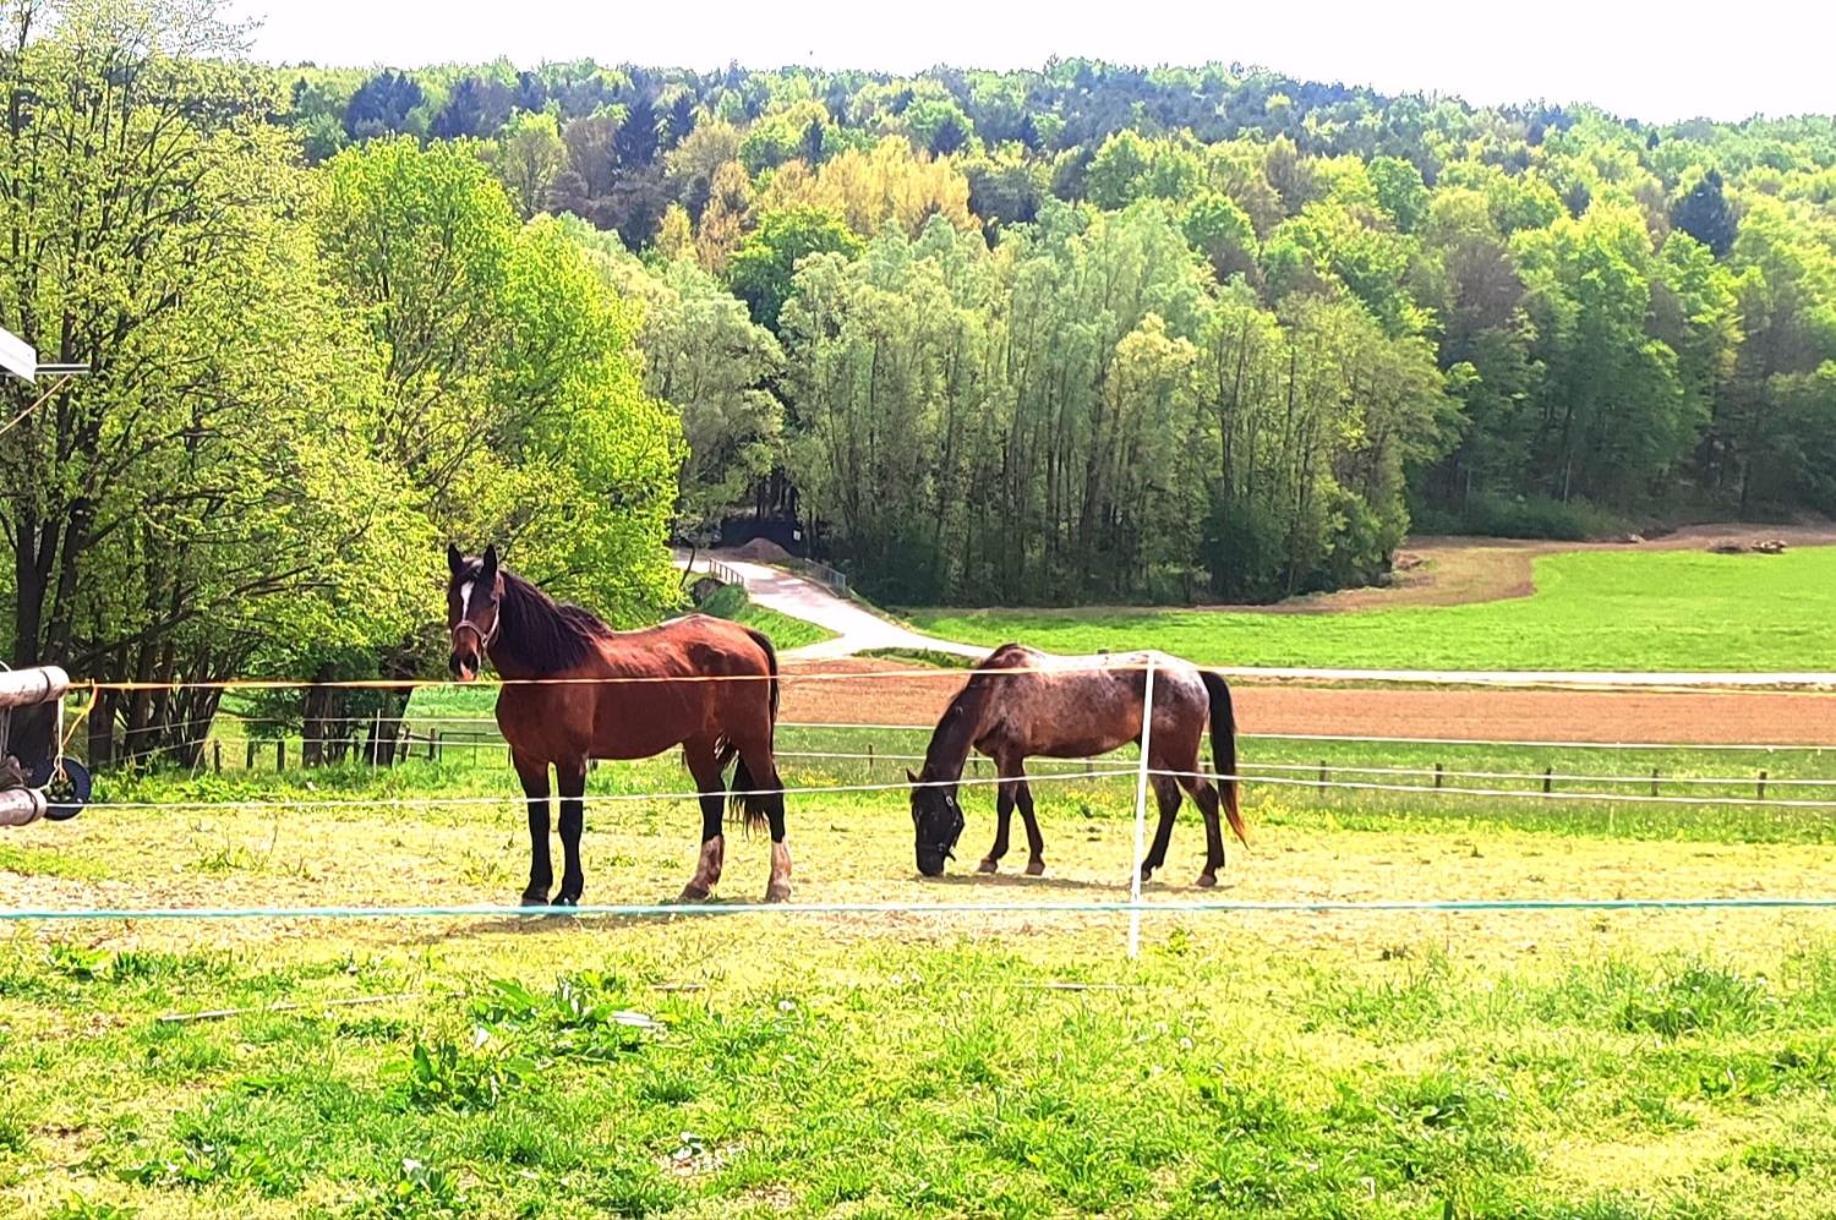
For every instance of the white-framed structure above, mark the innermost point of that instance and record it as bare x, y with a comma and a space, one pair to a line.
20, 359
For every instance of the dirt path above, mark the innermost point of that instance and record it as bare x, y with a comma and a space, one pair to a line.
1434, 571
840, 691
856, 628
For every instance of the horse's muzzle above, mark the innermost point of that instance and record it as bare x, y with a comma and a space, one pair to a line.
931, 861
463, 667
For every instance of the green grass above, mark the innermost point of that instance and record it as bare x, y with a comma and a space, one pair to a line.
1522, 1065
785, 632
1597, 610
934, 1077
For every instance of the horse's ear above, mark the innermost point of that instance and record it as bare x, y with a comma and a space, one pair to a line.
489, 572
454, 560
910, 776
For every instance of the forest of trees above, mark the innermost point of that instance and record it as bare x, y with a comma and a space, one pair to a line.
1095, 332
1084, 333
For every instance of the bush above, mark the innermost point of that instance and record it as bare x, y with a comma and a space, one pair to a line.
1520, 517
728, 601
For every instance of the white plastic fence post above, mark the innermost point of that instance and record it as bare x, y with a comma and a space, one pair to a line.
1141, 789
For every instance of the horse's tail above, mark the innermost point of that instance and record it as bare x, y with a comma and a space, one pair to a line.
771, 667
1224, 748
752, 798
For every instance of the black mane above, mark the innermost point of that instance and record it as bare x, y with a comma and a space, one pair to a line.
955, 733
536, 632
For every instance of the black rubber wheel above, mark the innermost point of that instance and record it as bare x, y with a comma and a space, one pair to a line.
65, 794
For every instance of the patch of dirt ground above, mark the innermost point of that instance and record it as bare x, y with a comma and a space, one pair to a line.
866, 690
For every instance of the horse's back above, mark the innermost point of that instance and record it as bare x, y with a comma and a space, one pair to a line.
1075, 706
646, 690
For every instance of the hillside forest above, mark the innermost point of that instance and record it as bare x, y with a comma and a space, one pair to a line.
1082, 334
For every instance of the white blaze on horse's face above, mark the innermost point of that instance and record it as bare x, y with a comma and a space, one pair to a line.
469, 638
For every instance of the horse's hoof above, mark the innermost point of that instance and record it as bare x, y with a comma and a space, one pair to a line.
567, 900
531, 899
694, 893
1147, 873
1035, 868
779, 892
1206, 880
988, 865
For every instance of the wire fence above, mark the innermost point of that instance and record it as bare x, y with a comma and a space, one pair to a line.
221, 741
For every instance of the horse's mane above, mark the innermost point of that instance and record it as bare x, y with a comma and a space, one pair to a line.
956, 731
541, 634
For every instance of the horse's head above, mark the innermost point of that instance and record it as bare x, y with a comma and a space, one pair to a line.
937, 822
472, 598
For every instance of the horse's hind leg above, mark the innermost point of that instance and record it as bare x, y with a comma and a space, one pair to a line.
1166, 795
1205, 793
757, 763
571, 777
704, 765
534, 775
1035, 842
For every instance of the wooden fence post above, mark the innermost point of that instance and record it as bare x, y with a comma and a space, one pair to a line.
280, 754
1654, 781
1437, 775
216, 756
1324, 775
1762, 785
248, 764
1548, 780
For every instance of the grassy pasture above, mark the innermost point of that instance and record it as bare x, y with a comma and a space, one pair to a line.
1657, 610
1010, 1064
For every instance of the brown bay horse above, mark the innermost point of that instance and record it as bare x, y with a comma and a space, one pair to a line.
575, 689
1077, 707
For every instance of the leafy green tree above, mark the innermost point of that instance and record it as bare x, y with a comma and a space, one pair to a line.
706, 358
1704, 214
1400, 191
511, 397
1115, 176
529, 157
761, 270
200, 492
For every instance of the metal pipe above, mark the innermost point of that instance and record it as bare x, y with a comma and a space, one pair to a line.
21, 806
25, 687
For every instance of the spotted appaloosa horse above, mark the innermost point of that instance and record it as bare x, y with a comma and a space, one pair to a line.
1076, 707
705, 684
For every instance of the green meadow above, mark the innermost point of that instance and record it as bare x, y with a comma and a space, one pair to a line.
1659, 610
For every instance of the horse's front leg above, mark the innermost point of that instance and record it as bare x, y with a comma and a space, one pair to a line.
1004, 817
571, 777
534, 775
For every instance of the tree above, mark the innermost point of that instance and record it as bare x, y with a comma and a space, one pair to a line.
724, 220
761, 270
199, 493
1704, 214
706, 358
476, 108
381, 105
528, 159
1400, 191
890, 184
1115, 175
510, 400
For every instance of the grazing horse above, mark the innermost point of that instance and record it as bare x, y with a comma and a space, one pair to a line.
1075, 707
620, 694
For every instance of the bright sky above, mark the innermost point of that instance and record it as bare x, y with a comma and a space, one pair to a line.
1654, 61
